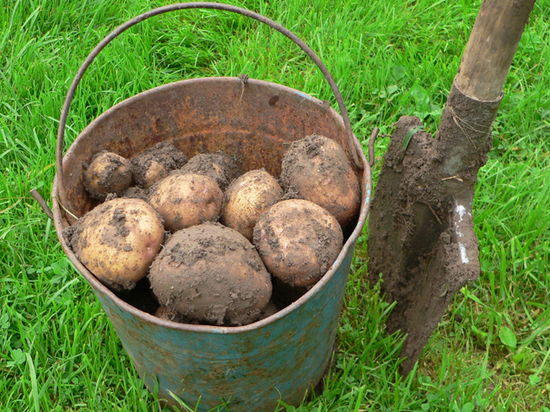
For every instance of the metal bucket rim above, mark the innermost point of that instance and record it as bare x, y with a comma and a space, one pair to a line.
100, 287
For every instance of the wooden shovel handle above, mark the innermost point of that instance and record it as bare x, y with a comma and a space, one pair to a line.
491, 47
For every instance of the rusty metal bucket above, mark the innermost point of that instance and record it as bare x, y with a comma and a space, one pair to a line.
248, 367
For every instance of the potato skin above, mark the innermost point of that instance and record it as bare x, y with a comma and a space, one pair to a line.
210, 273
218, 166
155, 163
247, 198
107, 173
185, 200
317, 169
118, 240
298, 241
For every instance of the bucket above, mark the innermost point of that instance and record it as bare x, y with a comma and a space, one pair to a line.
248, 368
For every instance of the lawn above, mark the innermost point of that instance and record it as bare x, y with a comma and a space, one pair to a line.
58, 351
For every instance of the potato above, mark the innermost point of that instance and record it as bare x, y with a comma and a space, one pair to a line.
298, 241
317, 169
107, 173
218, 166
210, 273
118, 240
164, 313
184, 200
247, 198
155, 163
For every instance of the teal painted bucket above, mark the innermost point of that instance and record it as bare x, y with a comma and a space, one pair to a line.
247, 368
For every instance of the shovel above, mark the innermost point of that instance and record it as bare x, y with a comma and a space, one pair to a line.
421, 231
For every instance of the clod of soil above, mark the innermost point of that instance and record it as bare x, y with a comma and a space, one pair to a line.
298, 241
247, 198
155, 163
135, 192
212, 274
185, 200
218, 166
107, 173
317, 169
118, 240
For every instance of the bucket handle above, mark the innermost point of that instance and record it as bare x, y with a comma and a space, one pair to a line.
198, 5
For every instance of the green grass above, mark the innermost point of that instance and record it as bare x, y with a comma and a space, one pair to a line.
58, 351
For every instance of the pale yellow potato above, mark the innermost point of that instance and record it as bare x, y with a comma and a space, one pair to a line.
118, 240
317, 169
298, 241
247, 198
155, 173
185, 200
107, 173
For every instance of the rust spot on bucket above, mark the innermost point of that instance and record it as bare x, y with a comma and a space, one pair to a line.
273, 100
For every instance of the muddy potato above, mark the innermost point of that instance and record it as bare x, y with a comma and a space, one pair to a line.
155, 163
218, 166
247, 198
164, 313
107, 173
317, 169
118, 240
298, 241
210, 273
185, 200
228, 163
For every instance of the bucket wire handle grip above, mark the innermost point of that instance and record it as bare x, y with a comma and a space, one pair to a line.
197, 5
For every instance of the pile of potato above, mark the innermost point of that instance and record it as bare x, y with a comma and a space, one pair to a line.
211, 240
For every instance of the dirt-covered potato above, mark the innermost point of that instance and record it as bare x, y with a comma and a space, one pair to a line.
184, 200
107, 173
210, 273
164, 313
247, 198
317, 169
298, 241
155, 163
218, 166
118, 240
